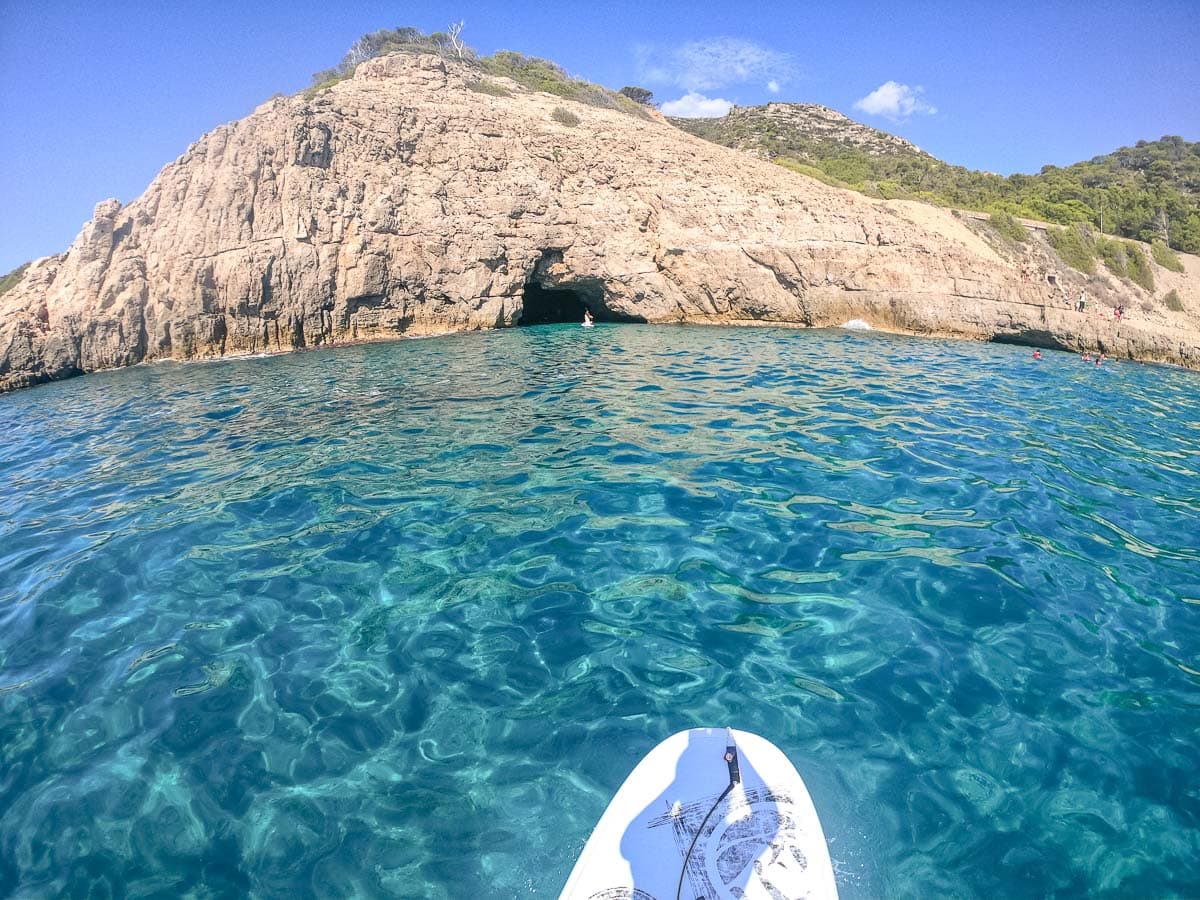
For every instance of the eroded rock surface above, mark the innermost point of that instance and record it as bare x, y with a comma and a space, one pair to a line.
402, 202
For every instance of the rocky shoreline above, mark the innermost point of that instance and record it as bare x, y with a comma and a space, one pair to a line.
406, 201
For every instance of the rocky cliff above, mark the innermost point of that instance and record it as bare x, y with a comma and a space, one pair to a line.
420, 196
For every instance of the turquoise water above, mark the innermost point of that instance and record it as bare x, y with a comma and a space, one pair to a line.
396, 620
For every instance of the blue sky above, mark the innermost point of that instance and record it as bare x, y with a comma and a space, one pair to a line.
96, 97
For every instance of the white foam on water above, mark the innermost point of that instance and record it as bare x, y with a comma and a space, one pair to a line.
857, 325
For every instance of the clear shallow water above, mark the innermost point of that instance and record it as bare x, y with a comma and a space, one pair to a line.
397, 620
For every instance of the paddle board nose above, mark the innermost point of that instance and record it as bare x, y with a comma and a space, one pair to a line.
709, 813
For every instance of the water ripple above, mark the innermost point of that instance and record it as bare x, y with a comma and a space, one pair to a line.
399, 618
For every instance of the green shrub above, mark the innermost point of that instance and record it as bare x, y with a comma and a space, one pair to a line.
1165, 256
550, 78
483, 86
1007, 226
638, 94
1113, 254
631, 107
565, 117
530, 71
323, 81
12, 279
888, 189
1173, 302
1138, 267
794, 165
849, 167
1075, 246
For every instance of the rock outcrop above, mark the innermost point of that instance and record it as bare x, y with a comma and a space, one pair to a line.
744, 127
410, 199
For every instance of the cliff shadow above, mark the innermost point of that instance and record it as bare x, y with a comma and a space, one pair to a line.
1031, 337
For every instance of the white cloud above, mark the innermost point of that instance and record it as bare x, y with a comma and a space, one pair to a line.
773, 86
696, 106
895, 101
714, 63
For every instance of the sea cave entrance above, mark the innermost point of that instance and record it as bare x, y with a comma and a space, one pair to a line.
551, 296
545, 306
541, 305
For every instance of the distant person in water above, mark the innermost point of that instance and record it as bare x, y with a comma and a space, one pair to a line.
1087, 357
1037, 354
587, 317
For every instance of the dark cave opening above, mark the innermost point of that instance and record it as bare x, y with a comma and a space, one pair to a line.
547, 306
1030, 338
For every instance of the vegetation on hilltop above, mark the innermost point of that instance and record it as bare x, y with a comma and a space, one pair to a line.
12, 279
1080, 247
1147, 192
638, 94
527, 71
1009, 227
394, 40
1165, 256
548, 77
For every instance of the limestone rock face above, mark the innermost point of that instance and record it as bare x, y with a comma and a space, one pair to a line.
402, 202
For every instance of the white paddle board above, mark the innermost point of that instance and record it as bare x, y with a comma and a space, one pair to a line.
710, 813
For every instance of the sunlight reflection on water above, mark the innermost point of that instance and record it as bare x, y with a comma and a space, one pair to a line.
397, 620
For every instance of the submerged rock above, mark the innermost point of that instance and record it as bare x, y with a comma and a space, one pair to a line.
401, 202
